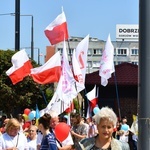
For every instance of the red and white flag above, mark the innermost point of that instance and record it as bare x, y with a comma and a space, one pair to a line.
107, 62
70, 108
81, 55
65, 91
21, 67
92, 97
57, 30
48, 73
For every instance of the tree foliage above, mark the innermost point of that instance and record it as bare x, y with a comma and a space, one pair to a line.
25, 94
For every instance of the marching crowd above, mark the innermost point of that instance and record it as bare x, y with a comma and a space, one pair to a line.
102, 132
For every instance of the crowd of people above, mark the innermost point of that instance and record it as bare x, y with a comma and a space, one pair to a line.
101, 132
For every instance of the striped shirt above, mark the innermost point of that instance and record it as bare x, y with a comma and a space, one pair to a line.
48, 142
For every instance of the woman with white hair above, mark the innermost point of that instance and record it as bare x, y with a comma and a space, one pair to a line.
105, 120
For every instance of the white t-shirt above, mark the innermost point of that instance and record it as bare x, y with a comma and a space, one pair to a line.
68, 140
39, 138
32, 144
7, 141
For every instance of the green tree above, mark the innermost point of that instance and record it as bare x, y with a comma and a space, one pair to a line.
25, 94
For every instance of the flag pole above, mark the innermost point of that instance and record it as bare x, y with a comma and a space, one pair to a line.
88, 103
43, 95
118, 102
72, 66
69, 49
144, 74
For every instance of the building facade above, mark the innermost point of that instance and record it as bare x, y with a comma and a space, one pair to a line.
124, 51
125, 47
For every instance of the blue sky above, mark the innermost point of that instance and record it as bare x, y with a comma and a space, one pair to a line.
95, 17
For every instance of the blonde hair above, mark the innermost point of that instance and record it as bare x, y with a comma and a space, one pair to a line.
33, 126
106, 113
12, 123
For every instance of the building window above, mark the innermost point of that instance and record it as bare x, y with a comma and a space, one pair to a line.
89, 51
135, 63
134, 51
60, 50
120, 62
70, 51
96, 64
89, 64
122, 52
97, 51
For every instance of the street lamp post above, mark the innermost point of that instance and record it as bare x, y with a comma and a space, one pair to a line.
17, 42
38, 61
17, 25
32, 36
32, 43
38, 56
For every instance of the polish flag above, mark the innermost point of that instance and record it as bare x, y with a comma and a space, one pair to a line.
21, 67
107, 62
70, 108
57, 30
48, 73
92, 97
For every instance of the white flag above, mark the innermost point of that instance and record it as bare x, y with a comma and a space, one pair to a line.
66, 86
107, 62
54, 105
77, 72
81, 55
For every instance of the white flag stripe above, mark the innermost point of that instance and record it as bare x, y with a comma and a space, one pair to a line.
58, 21
92, 94
18, 60
88, 115
54, 61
